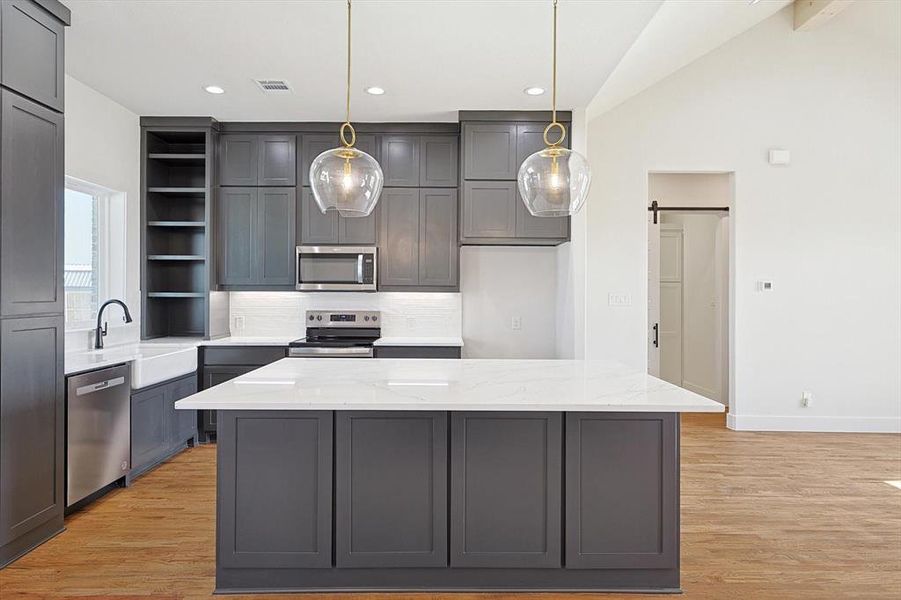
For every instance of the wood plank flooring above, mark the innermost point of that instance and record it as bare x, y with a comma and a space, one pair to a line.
764, 515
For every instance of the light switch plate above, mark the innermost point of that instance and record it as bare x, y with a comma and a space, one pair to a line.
516, 323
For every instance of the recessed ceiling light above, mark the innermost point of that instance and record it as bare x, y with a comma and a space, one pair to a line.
534, 91
214, 89
375, 90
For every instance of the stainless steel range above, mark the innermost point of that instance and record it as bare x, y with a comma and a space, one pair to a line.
333, 334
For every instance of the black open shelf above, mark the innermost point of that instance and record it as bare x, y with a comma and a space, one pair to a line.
177, 187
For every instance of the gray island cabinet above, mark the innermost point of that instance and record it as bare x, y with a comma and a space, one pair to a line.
414, 474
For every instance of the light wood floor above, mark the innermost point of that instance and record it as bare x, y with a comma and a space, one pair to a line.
764, 515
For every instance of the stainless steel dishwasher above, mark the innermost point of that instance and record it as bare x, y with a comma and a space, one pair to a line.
98, 434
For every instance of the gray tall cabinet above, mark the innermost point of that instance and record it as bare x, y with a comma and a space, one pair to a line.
32, 492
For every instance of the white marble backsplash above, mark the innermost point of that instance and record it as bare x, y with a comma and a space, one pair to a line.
408, 314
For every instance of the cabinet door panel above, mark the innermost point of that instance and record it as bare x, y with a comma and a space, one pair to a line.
400, 160
216, 375
528, 226
238, 231
439, 254
238, 159
529, 140
278, 163
312, 145
275, 239
622, 490
391, 489
32, 51
438, 163
358, 230
316, 227
149, 425
289, 455
506, 471
489, 209
31, 424
489, 151
183, 423
31, 207
399, 239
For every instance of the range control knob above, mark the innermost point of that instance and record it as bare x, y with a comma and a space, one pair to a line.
318, 317
312, 317
375, 318
366, 318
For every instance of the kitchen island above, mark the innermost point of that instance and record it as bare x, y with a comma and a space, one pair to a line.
407, 474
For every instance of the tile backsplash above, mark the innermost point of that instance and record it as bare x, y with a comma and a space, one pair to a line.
403, 313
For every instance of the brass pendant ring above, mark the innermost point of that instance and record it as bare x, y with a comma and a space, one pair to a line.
548, 129
343, 133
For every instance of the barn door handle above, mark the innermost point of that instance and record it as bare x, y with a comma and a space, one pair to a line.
656, 335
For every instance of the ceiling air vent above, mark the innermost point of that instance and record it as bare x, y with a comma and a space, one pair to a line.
270, 86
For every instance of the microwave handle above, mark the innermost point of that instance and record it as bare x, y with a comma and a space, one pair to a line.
360, 268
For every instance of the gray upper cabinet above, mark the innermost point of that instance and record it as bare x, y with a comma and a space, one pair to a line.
361, 231
315, 226
238, 159
489, 209
312, 145
529, 140
275, 236
438, 163
439, 255
237, 226
399, 252
622, 490
32, 420
257, 236
400, 160
32, 52
257, 160
506, 497
390, 489
489, 151
31, 206
290, 455
278, 163
528, 226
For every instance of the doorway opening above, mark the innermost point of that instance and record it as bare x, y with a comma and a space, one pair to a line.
689, 280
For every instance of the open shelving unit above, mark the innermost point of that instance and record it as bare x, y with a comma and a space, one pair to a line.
177, 187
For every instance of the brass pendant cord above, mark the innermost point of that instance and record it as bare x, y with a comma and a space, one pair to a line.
347, 126
554, 124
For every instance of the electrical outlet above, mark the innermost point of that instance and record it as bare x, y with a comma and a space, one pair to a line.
239, 322
806, 399
516, 323
619, 299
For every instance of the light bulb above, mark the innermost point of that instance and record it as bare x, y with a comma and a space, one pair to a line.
555, 175
347, 180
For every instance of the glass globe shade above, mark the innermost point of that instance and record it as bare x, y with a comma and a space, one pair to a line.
554, 182
347, 180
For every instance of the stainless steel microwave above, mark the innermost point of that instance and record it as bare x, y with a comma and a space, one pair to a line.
336, 268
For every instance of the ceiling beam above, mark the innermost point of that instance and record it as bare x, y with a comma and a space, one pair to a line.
810, 14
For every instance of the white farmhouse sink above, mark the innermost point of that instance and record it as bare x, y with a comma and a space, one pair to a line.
155, 363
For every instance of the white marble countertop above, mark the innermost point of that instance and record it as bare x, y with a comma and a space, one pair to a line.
453, 384
90, 360
418, 341
239, 340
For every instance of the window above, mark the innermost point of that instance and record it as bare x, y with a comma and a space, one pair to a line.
94, 250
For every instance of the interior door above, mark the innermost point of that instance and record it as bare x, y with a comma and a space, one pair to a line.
653, 296
670, 350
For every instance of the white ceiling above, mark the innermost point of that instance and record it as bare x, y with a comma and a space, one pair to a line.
433, 57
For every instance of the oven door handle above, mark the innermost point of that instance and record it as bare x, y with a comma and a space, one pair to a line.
359, 352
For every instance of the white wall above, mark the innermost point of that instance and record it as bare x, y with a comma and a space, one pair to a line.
103, 142
498, 283
825, 229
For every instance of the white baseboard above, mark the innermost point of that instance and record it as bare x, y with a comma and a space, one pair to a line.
823, 424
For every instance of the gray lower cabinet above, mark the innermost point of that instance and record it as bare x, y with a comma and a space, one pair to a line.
417, 351
158, 430
257, 160
257, 236
32, 52
213, 375
506, 497
32, 421
418, 242
391, 489
289, 455
314, 227
622, 490
31, 204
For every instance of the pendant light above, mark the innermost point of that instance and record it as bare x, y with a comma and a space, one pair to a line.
554, 181
345, 178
